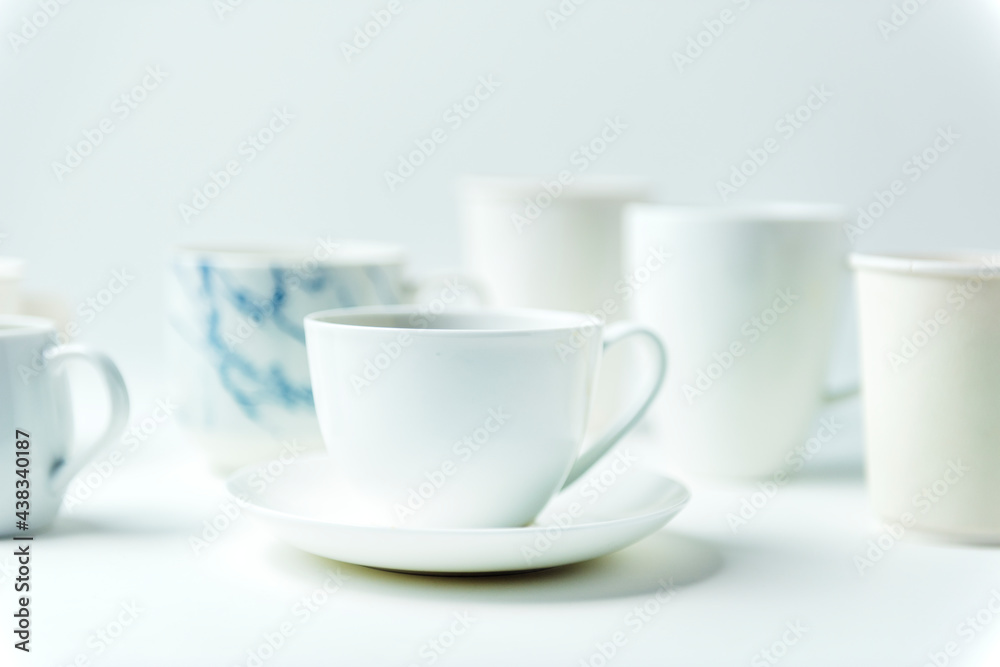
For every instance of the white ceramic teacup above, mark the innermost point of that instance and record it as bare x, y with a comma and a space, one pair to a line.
470, 419
747, 305
36, 421
930, 352
238, 358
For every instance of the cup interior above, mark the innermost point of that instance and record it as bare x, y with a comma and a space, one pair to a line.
465, 320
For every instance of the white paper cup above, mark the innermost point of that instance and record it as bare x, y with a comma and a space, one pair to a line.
930, 349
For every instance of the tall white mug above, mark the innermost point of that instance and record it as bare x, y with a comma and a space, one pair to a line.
930, 352
746, 304
36, 421
554, 243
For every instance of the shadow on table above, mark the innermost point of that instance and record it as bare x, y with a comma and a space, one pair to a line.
119, 524
660, 561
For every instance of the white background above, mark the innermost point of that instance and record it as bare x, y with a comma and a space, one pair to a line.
324, 175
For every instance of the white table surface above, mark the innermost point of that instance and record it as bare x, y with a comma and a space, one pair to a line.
734, 593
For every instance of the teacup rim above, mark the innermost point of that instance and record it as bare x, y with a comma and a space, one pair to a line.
956, 263
570, 320
262, 254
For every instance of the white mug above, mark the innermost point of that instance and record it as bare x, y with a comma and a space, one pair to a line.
554, 243
11, 269
747, 305
930, 353
476, 417
36, 422
238, 359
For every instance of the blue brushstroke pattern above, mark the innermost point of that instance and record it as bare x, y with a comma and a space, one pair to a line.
252, 386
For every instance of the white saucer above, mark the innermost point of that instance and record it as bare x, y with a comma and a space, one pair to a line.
302, 506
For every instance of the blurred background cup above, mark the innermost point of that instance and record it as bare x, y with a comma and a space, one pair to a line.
555, 243
747, 305
16, 300
11, 270
237, 344
930, 353
37, 419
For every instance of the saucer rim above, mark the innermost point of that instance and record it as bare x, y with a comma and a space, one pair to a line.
253, 505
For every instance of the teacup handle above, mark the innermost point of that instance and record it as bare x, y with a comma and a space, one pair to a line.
57, 358
612, 334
